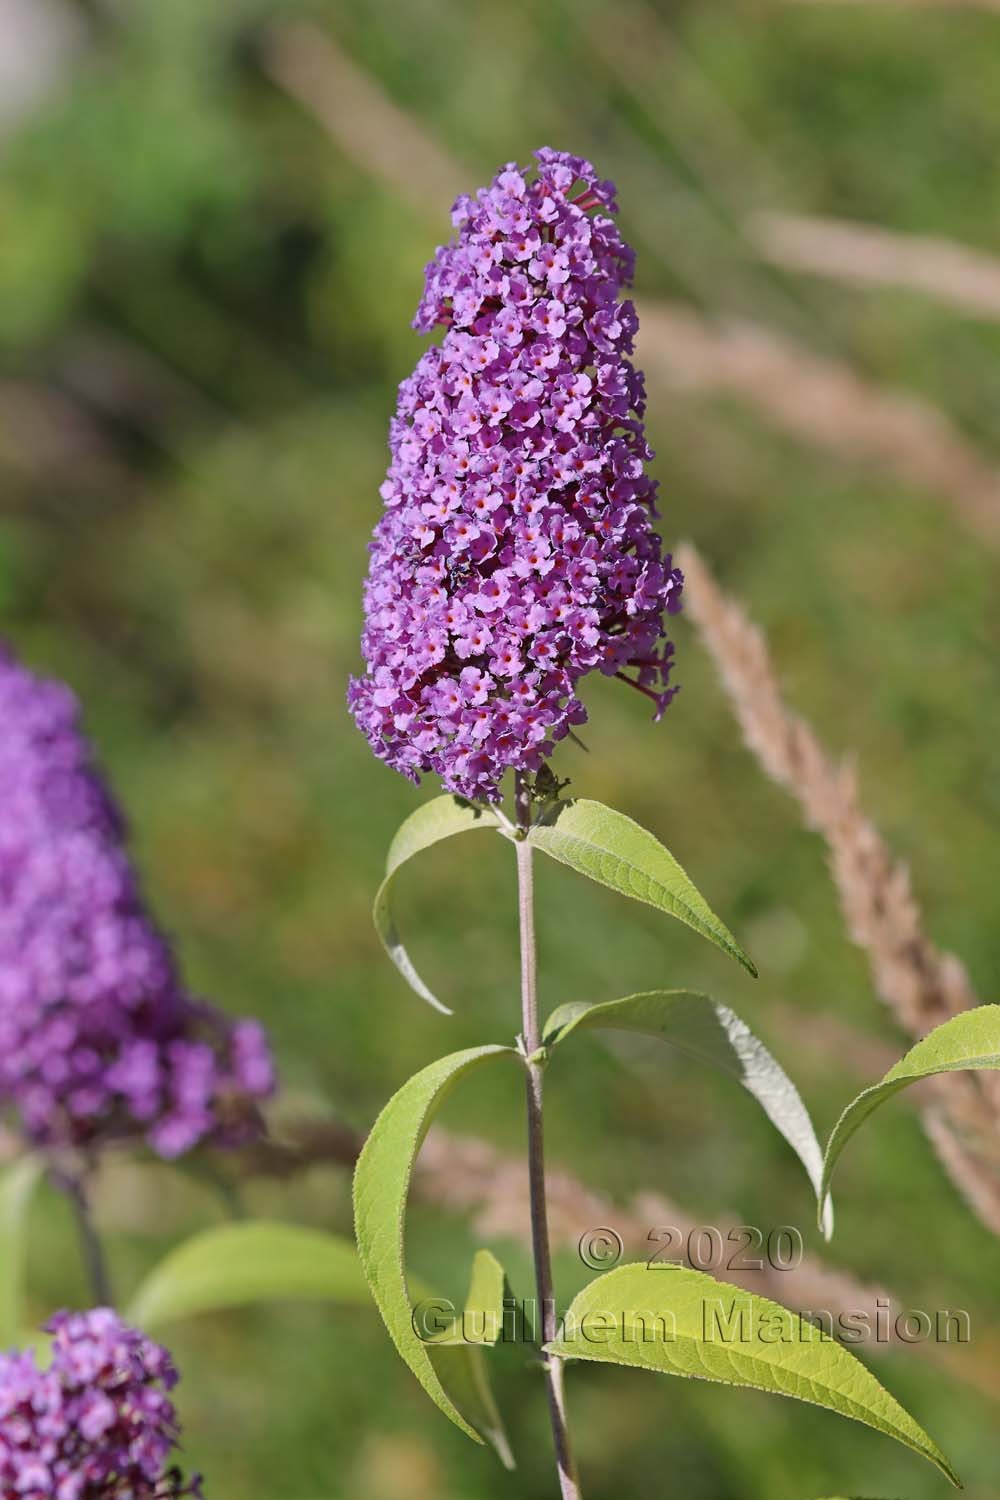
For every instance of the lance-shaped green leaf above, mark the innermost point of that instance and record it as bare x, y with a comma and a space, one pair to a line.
459, 1358
706, 1029
237, 1265
17, 1183
613, 850
481, 1319
484, 1305
381, 1183
676, 1321
969, 1040
256, 1261
432, 822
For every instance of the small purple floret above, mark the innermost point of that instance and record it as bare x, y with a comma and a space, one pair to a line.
97, 1423
98, 1036
516, 552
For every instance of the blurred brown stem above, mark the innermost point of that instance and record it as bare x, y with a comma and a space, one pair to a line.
73, 1183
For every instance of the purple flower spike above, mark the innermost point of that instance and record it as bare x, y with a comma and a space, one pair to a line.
98, 1037
97, 1424
516, 552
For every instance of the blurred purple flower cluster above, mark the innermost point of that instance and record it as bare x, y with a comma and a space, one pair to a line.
97, 1035
97, 1424
516, 551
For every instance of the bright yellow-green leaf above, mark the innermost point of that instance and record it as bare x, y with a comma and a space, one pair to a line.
675, 1321
239, 1265
464, 1376
254, 1261
705, 1029
432, 822
613, 850
969, 1040
381, 1183
481, 1320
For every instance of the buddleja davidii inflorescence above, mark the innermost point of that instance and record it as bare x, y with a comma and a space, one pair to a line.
99, 1038
96, 1421
101, 1045
517, 554
103, 1048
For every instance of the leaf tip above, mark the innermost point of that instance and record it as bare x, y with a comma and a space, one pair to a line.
930, 1450
503, 1450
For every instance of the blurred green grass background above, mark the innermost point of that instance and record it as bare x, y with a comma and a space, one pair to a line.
204, 308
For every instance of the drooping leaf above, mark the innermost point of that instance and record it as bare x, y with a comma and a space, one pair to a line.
381, 1183
676, 1321
704, 1028
969, 1040
459, 1358
236, 1265
432, 822
613, 850
17, 1183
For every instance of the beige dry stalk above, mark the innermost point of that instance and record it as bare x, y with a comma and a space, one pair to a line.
817, 399
921, 985
869, 255
823, 402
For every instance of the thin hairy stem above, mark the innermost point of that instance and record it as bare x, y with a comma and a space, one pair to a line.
74, 1185
569, 1488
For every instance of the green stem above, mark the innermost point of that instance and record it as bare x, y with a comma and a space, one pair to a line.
569, 1487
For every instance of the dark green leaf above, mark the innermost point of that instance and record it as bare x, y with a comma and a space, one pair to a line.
459, 1357
464, 1376
705, 1029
